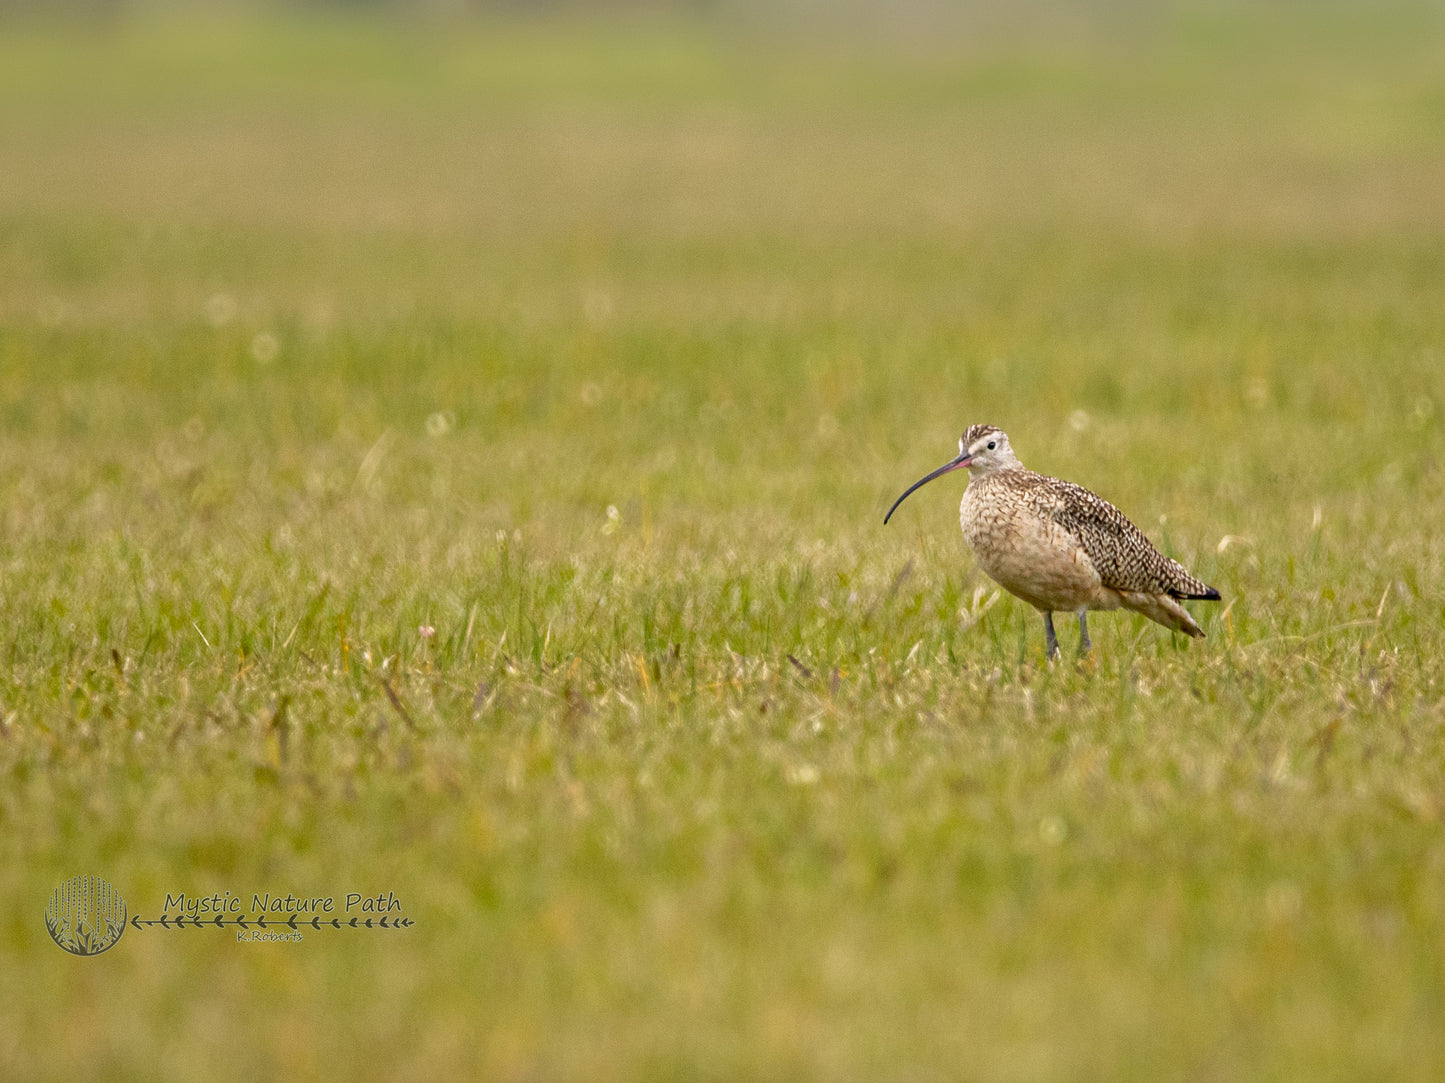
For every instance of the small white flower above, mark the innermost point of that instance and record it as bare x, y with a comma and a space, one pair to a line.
1282, 902
221, 309
265, 348
802, 774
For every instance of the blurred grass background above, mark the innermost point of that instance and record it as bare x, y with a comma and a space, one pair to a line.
597, 341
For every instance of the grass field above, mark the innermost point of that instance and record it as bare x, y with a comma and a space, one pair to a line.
599, 350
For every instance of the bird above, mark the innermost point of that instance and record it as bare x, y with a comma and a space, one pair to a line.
1058, 546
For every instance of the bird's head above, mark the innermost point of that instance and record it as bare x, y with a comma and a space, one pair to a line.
983, 449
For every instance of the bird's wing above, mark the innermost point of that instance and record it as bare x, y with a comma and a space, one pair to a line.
1124, 558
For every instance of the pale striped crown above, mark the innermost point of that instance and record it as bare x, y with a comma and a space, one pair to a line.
973, 432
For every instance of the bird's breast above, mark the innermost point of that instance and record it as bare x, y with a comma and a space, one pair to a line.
1027, 554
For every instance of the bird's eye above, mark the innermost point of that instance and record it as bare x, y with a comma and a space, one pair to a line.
992, 444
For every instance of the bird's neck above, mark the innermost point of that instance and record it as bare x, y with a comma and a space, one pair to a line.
999, 471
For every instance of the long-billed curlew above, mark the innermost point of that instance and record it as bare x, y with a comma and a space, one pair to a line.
1058, 546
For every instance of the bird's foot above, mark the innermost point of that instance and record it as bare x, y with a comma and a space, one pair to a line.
1051, 641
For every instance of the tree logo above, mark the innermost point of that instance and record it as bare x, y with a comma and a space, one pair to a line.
85, 915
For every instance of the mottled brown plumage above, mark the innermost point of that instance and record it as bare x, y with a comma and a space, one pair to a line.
1060, 547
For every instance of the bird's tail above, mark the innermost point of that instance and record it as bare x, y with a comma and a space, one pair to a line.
1184, 585
1162, 609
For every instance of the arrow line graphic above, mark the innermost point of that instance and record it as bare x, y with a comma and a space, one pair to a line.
294, 922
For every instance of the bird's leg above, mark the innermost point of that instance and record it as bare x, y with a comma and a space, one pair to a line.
1084, 643
1051, 641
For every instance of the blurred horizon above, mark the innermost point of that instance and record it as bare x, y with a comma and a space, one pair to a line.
866, 15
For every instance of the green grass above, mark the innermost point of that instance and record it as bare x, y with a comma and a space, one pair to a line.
314, 334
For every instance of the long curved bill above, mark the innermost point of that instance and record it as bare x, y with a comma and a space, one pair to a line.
957, 464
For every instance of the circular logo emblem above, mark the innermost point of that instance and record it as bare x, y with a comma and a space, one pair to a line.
85, 915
